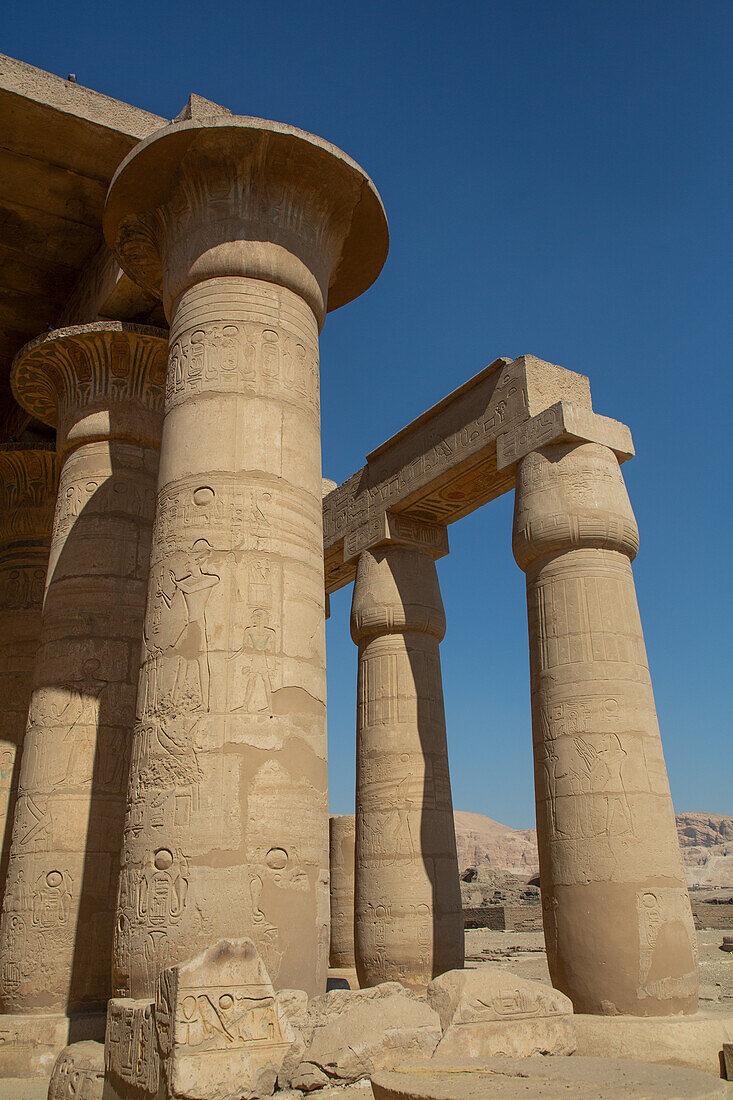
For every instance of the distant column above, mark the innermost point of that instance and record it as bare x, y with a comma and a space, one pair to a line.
28, 483
101, 385
250, 231
618, 925
408, 918
341, 835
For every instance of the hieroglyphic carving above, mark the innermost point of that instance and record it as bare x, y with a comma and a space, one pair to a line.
232, 355
28, 481
229, 552
131, 1044
78, 1073
668, 953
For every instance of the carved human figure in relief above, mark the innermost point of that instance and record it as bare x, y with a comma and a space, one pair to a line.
258, 643
192, 644
81, 735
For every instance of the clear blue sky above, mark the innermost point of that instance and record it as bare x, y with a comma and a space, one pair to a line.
557, 177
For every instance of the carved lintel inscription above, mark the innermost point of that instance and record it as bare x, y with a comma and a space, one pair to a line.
418, 458
563, 420
401, 529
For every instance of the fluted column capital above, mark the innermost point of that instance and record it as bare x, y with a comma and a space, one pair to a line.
239, 196
571, 496
28, 483
95, 382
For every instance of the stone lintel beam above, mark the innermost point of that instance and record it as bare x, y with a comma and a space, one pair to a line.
563, 422
397, 530
462, 453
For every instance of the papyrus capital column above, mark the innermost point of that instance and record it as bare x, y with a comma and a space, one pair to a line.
250, 231
618, 925
101, 386
28, 483
408, 920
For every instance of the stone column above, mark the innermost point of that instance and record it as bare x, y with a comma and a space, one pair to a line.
408, 923
250, 231
28, 481
101, 385
341, 833
618, 926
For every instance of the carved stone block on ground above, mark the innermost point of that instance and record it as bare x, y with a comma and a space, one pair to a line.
215, 1030
350, 1034
489, 1011
220, 1029
78, 1073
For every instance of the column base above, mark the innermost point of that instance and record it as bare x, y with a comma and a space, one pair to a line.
29, 1045
342, 977
695, 1042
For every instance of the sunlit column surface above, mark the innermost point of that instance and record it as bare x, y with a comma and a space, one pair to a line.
250, 231
408, 918
618, 925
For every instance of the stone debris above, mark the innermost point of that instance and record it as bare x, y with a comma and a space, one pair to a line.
490, 1011
349, 1034
78, 1073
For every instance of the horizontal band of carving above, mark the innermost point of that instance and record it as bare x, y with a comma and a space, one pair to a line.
244, 337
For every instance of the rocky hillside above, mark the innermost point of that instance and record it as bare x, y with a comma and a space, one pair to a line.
706, 841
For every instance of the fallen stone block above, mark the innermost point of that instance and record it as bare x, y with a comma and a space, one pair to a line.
78, 1073
216, 1030
349, 1034
490, 1011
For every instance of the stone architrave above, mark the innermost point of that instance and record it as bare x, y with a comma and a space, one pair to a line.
250, 231
618, 925
28, 483
408, 924
341, 836
101, 385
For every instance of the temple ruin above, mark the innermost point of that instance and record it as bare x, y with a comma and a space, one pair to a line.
166, 558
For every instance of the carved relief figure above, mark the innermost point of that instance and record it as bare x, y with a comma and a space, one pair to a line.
192, 644
258, 644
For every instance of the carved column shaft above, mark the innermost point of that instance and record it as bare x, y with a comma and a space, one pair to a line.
229, 785
28, 482
341, 837
408, 920
618, 925
102, 385
247, 230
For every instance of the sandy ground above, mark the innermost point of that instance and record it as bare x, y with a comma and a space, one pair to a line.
523, 953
